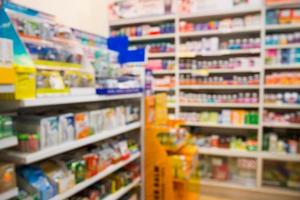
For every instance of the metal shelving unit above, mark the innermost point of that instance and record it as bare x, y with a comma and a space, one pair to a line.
260, 30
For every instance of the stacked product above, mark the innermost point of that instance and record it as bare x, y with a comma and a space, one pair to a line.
164, 82
157, 47
215, 44
283, 16
283, 78
225, 117
144, 30
275, 143
239, 143
240, 171
174, 139
241, 98
42, 131
231, 63
283, 175
60, 174
247, 21
111, 184
279, 98
160, 65
219, 80
281, 118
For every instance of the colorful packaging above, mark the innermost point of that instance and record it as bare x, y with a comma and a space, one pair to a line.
7, 177
82, 125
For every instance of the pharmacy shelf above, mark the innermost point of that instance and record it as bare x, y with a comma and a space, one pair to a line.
283, 67
282, 106
171, 105
280, 156
219, 12
263, 189
282, 87
219, 71
226, 152
162, 89
293, 4
45, 67
28, 158
161, 55
9, 194
142, 20
163, 72
8, 142
227, 184
7, 89
285, 46
226, 52
281, 125
219, 105
52, 101
85, 184
241, 30
152, 37
219, 87
283, 27
214, 125
117, 195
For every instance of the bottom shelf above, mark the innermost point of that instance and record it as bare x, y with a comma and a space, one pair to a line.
117, 195
83, 185
9, 194
239, 186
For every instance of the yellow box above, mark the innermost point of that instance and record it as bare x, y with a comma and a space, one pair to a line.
7, 75
25, 83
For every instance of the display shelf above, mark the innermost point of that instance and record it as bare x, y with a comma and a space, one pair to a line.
117, 195
282, 106
220, 87
7, 89
282, 67
8, 142
161, 55
241, 30
28, 158
226, 52
279, 191
163, 72
229, 126
219, 105
282, 87
283, 27
152, 37
142, 20
226, 152
162, 89
171, 105
227, 184
281, 125
56, 68
292, 4
285, 46
9, 194
50, 101
85, 184
280, 156
211, 13
219, 71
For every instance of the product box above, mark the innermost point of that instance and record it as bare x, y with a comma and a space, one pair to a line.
7, 177
97, 121
82, 125
6, 126
59, 175
66, 127
47, 127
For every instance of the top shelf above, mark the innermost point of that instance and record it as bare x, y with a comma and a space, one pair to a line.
51, 101
235, 11
142, 20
